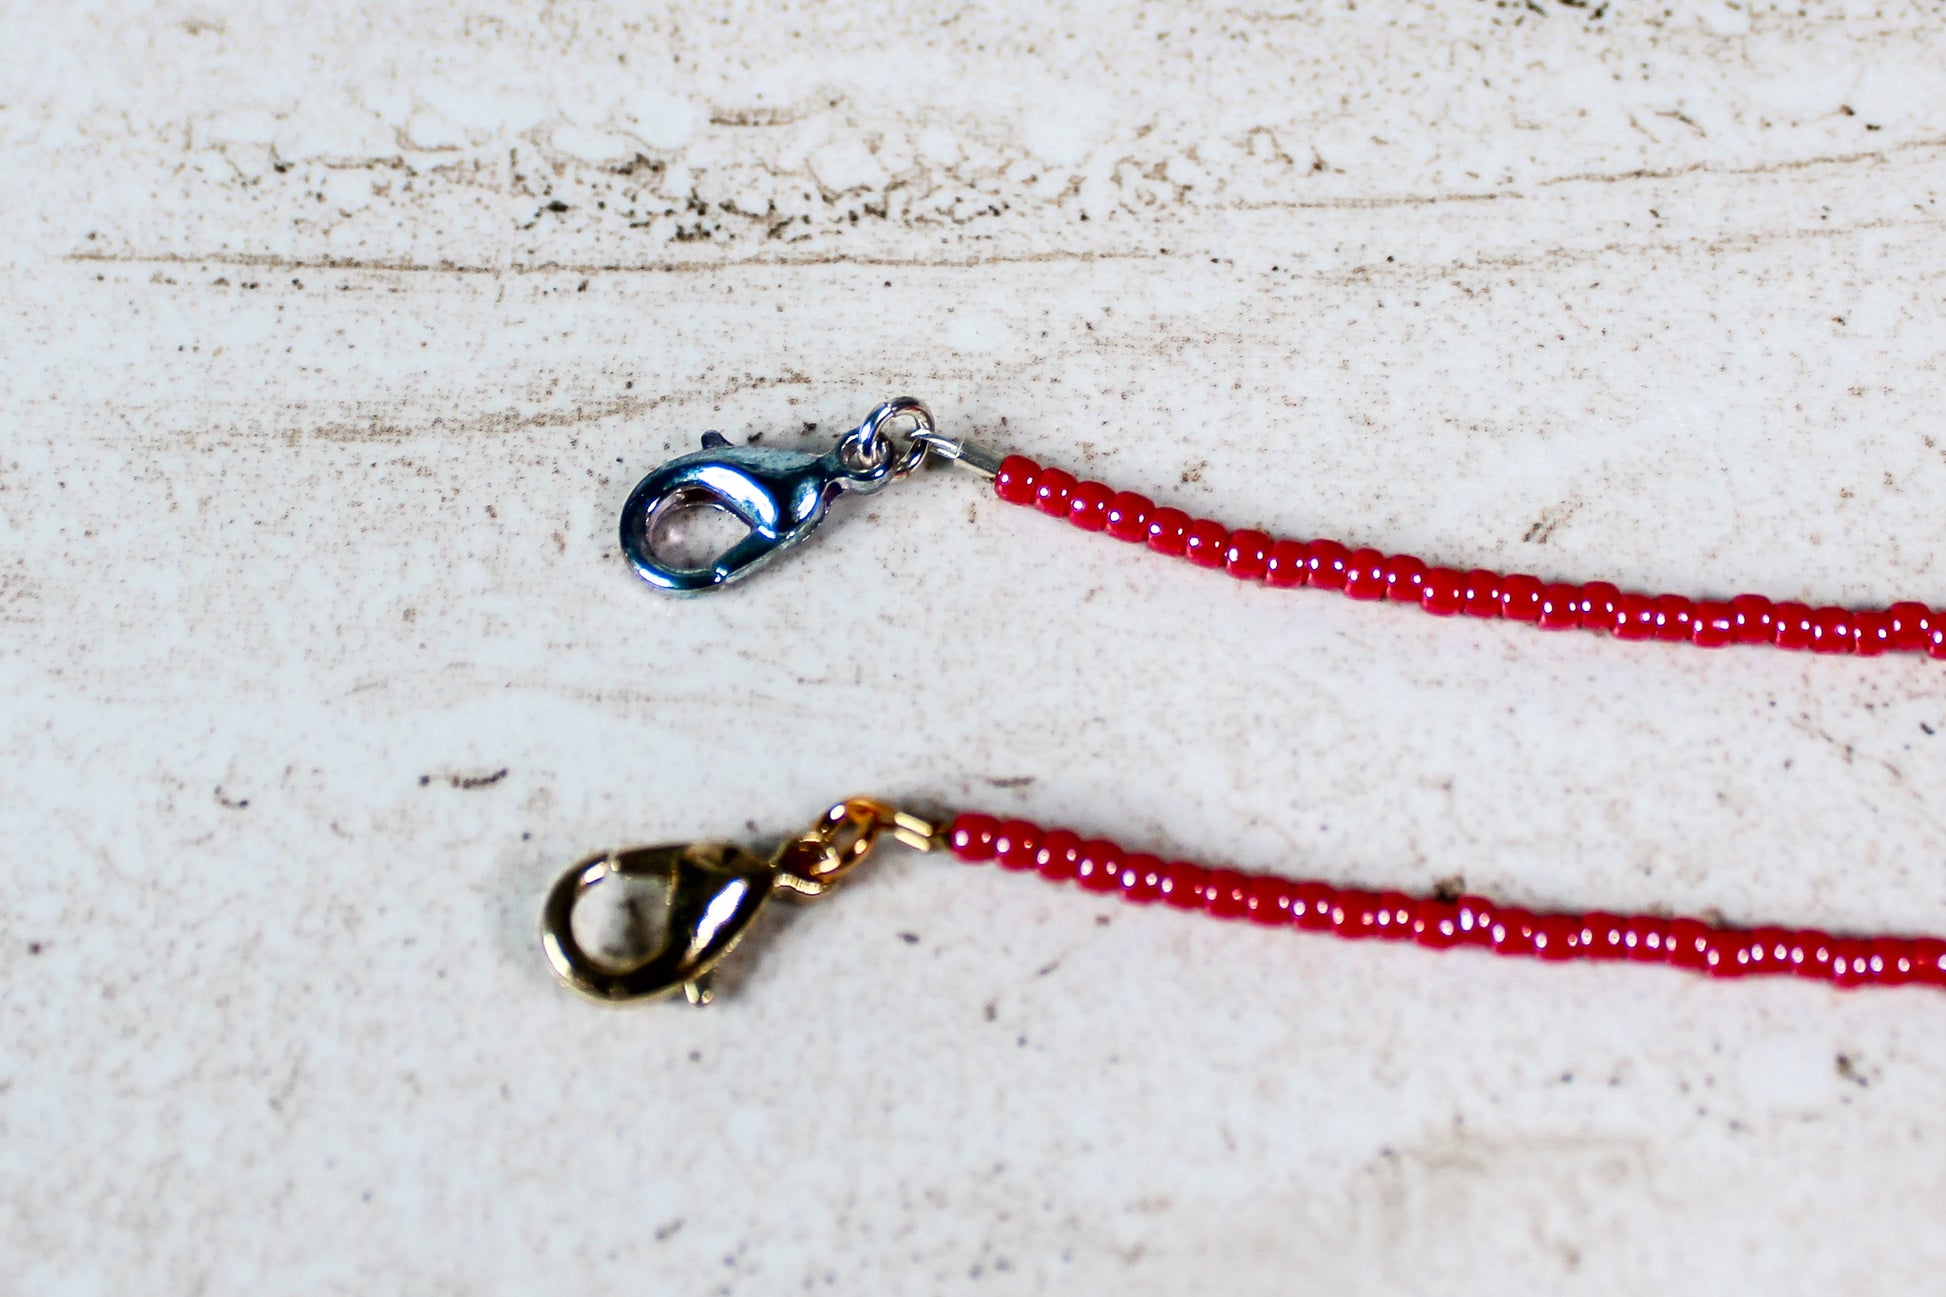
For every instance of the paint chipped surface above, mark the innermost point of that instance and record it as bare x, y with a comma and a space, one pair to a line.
335, 339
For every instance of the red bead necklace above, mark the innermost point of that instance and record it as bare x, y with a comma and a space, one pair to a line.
1369, 575
1441, 923
712, 891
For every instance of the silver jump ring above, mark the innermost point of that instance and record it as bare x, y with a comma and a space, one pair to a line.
868, 447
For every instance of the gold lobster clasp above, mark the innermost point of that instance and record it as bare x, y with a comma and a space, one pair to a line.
702, 897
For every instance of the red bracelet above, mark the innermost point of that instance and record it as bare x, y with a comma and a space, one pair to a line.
1369, 575
713, 890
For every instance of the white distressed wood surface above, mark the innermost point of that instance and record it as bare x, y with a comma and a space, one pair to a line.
335, 337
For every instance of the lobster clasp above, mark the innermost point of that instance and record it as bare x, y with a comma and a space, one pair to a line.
689, 903
701, 897
779, 496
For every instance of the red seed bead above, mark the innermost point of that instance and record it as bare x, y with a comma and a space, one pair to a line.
1436, 924
1831, 631
1820, 956
1765, 952
1098, 866
1647, 939
1557, 936
1513, 932
1476, 915
1634, 617
1871, 633
1897, 965
1560, 607
1052, 490
1206, 543
1909, 624
1936, 638
1597, 606
1128, 517
1058, 857
1768, 952
1016, 479
1928, 960
1287, 564
1354, 914
1674, 616
1726, 953
1168, 530
1443, 593
1714, 625
1520, 598
1875, 970
1790, 951
1328, 564
1404, 576
1182, 885
1792, 627
1088, 506
1311, 905
1141, 879
1248, 555
1365, 574
1481, 589
1267, 900
1689, 943
1604, 936
1227, 894
1851, 962
972, 837
1392, 917
1755, 617
1014, 844
1739, 954
1389, 916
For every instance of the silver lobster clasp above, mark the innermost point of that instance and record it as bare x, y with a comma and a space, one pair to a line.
780, 496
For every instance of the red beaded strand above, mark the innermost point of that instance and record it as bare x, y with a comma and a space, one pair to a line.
1100, 866
1443, 592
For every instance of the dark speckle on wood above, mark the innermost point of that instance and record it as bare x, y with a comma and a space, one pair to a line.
469, 781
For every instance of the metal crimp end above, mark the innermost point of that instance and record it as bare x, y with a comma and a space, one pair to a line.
925, 440
812, 863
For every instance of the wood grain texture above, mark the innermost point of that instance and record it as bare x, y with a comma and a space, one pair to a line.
336, 336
